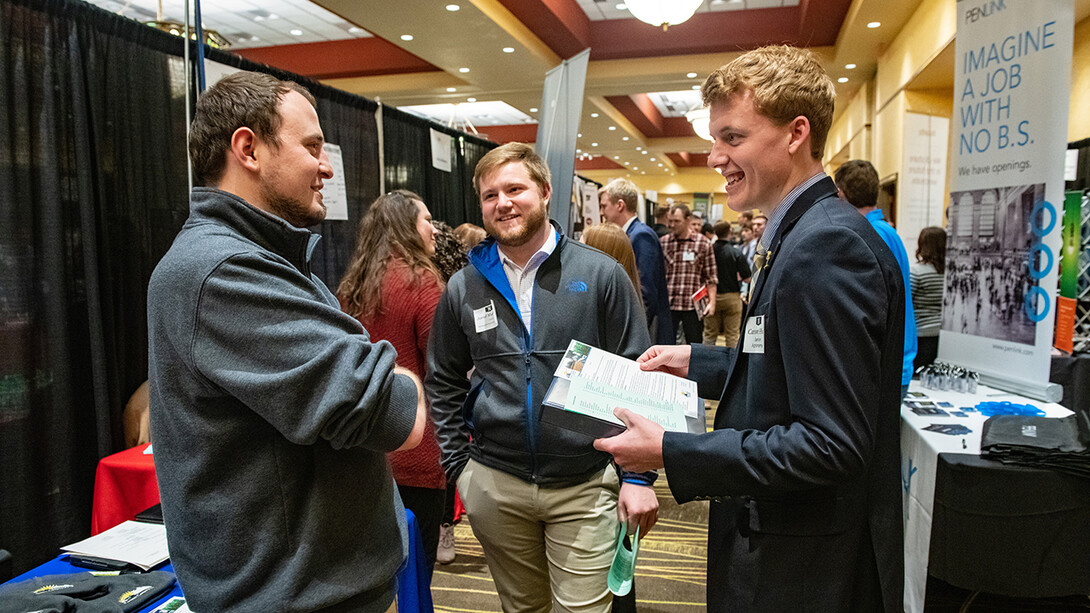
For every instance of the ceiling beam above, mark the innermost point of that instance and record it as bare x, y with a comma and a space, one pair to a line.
355, 57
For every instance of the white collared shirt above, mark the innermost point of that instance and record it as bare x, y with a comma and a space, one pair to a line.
628, 223
522, 279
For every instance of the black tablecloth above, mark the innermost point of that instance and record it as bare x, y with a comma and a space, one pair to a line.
1010, 530
1073, 373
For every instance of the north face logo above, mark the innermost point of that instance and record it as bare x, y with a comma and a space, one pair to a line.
577, 286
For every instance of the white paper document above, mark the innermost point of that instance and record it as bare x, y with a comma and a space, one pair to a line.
602, 381
138, 543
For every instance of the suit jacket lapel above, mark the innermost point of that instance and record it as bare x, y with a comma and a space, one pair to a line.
817, 192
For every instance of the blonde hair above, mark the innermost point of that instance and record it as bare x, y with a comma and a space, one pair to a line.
469, 234
786, 82
623, 189
514, 152
610, 239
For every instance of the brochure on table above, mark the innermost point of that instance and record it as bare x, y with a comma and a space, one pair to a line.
138, 543
591, 382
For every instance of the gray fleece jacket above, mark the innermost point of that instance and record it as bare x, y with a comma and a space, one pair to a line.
579, 293
272, 413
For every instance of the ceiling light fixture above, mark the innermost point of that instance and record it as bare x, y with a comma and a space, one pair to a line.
406, 37
453, 7
700, 118
508, 49
624, 138
842, 80
663, 13
690, 75
471, 99
849, 66
874, 24
611, 128
594, 114
463, 70
296, 32
533, 109
452, 89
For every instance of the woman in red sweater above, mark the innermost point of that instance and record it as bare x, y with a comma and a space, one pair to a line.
392, 287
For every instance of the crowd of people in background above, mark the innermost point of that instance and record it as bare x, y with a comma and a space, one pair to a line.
421, 379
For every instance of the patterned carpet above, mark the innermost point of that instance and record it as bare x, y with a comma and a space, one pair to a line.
670, 569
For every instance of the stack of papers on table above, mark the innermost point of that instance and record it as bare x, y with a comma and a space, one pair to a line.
140, 544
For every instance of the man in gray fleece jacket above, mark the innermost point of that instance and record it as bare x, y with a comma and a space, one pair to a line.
543, 503
272, 411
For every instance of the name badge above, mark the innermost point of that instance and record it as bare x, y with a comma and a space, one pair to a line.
484, 318
687, 256
754, 339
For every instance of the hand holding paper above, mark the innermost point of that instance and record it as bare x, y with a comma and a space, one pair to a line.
672, 359
637, 449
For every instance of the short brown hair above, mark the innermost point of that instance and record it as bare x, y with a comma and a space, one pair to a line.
242, 99
623, 189
514, 152
722, 229
685, 212
859, 181
786, 82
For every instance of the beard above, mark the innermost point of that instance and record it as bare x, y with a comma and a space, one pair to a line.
293, 210
532, 222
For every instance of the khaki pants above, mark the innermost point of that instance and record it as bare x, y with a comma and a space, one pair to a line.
548, 548
726, 321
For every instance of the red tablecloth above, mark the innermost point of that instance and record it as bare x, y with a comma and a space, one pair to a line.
124, 485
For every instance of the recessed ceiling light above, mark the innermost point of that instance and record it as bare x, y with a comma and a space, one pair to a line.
406, 37
594, 144
874, 24
471, 99
594, 114
452, 89
849, 66
580, 135
696, 87
652, 159
579, 151
644, 152
508, 49
624, 138
842, 80
635, 168
463, 69
355, 30
622, 6
660, 164
691, 75
612, 128
296, 32
643, 172
453, 7
616, 157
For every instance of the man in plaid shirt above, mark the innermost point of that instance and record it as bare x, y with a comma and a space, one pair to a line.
690, 263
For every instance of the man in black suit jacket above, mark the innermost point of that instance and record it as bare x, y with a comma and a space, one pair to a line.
803, 465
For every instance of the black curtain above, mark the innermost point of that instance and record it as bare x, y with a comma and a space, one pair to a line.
93, 189
92, 135
407, 145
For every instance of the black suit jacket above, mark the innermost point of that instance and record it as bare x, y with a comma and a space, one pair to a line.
803, 464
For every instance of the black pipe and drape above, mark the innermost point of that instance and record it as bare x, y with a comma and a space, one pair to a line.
93, 189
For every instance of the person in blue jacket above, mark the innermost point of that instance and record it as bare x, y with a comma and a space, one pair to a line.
543, 503
618, 202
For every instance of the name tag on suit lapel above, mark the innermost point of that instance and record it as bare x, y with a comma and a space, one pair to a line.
754, 339
484, 318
